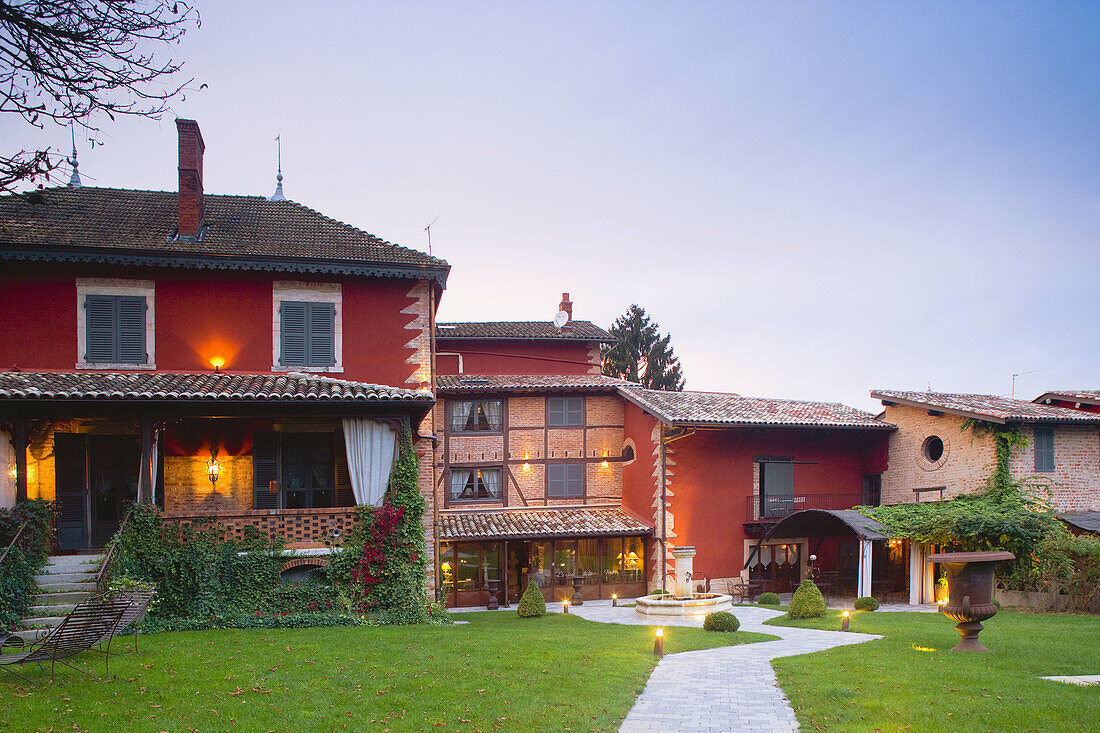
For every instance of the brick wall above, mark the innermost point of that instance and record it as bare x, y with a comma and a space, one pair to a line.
968, 460
187, 487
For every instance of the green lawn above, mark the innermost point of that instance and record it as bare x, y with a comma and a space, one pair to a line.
498, 672
910, 681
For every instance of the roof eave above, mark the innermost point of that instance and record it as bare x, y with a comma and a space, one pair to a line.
889, 401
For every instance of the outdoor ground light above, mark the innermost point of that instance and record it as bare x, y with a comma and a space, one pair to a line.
659, 642
565, 606
844, 621
614, 600
213, 468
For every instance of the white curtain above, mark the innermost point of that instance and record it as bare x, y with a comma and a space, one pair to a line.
490, 478
460, 413
492, 413
7, 465
371, 449
458, 482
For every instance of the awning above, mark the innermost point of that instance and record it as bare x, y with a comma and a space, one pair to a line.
825, 523
516, 524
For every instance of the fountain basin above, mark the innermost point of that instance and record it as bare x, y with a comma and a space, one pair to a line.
697, 604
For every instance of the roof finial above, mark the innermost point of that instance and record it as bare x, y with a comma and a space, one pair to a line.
74, 179
278, 195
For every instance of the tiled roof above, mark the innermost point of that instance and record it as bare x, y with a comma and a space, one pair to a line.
727, 409
113, 223
292, 387
529, 383
534, 523
986, 407
1089, 396
582, 331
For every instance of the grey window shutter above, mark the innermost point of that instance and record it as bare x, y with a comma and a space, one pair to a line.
265, 469
555, 480
574, 477
1044, 450
101, 333
131, 330
292, 333
322, 334
574, 407
555, 411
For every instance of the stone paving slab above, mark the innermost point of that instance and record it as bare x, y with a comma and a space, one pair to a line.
1076, 679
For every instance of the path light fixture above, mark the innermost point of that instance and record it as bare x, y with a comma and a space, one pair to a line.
614, 600
213, 467
659, 642
844, 621
565, 606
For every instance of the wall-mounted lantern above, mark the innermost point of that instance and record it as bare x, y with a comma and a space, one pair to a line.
213, 467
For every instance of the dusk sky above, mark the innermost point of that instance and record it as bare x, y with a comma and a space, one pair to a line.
815, 199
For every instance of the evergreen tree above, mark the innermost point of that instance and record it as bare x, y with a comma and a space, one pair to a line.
641, 353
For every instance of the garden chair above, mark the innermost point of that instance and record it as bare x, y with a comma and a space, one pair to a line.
86, 625
138, 600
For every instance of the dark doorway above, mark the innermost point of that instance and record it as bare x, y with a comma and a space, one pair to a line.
96, 482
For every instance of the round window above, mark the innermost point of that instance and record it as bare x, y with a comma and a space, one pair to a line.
933, 448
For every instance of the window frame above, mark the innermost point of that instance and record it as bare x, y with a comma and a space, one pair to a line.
565, 399
490, 430
115, 288
307, 292
1048, 452
565, 479
452, 499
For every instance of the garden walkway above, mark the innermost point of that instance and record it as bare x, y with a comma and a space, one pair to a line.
726, 689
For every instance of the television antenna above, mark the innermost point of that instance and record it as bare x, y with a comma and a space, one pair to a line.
1020, 374
428, 229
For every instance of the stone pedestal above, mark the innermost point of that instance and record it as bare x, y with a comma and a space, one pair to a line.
684, 565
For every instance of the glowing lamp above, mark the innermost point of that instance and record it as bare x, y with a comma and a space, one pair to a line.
213, 468
217, 362
659, 642
614, 600
844, 621
565, 606
604, 463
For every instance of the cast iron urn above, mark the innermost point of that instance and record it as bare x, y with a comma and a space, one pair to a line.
970, 592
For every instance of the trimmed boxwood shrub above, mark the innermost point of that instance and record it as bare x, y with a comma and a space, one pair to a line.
866, 603
768, 599
807, 601
531, 603
721, 621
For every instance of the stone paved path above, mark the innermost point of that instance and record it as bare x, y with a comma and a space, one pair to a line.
726, 689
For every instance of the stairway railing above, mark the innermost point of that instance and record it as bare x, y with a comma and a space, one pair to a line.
18, 534
104, 572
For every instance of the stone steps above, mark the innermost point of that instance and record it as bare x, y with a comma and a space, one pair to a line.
62, 598
65, 578
63, 582
67, 587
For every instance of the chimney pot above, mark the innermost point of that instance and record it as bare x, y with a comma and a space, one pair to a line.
567, 306
191, 148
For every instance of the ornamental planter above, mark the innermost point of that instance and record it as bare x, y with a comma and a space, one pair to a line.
970, 592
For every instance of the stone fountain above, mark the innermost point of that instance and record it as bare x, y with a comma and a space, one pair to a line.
683, 601
970, 592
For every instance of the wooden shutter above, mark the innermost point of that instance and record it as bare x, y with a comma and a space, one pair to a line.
574, 479
292, 333
565, 480
131, 330
70, 490
321, 346
265, 469
345, 495
100, 332
574, 411
1044, 450
555, 480
555, 411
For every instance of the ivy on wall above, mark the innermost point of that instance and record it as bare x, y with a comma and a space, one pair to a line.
25, 558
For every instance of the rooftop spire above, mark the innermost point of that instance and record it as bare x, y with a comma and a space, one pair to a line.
74, 179
278, 195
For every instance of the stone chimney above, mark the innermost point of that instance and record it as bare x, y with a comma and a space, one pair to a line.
567, 306
190, 168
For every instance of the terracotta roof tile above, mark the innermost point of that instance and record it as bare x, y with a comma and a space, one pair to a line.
533, 523
293, 387
459, 383
990, 407
1090, 396
727, 409
122, 221
581, 331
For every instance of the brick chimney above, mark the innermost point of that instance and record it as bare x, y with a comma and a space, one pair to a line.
567, 306
190, 167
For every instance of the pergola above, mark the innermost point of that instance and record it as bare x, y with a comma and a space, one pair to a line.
832, 523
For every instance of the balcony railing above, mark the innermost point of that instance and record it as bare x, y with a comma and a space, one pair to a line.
764, 508
294, 526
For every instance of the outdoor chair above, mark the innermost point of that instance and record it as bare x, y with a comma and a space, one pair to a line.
138, 601
87, 625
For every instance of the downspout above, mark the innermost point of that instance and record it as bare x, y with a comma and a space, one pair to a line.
435, 485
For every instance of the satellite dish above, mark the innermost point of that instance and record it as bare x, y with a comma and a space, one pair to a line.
561, 319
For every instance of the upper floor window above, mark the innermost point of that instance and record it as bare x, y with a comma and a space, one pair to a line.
564, 411
114, 324
1044, 450
308, 331
476, 484
475, 415
565, 480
